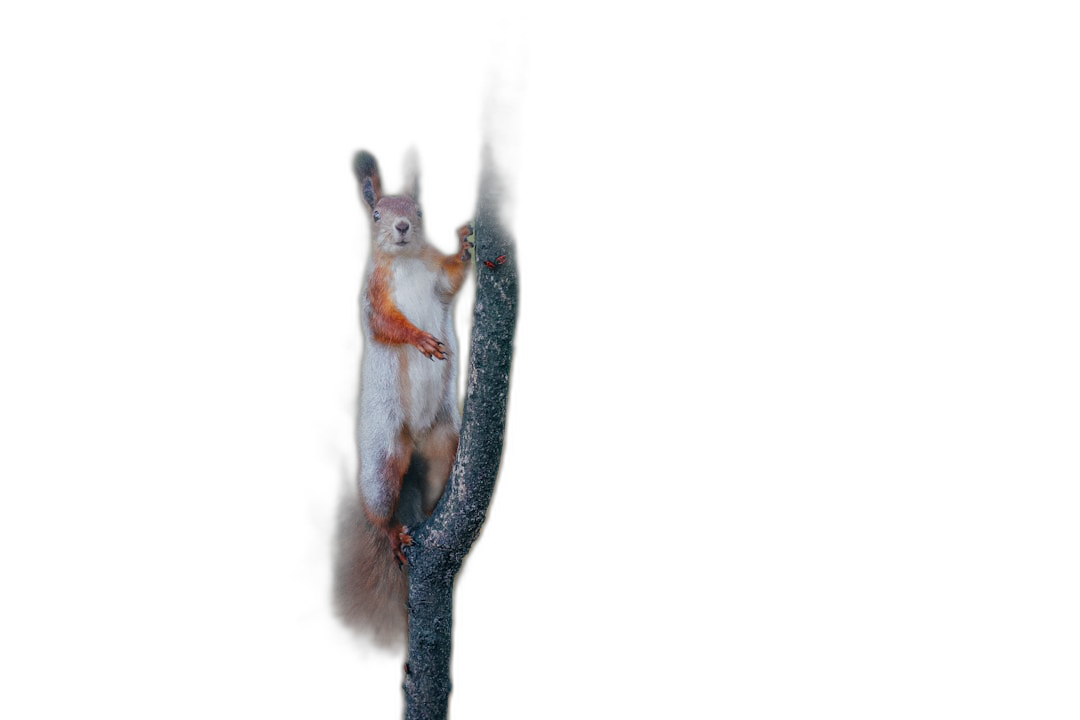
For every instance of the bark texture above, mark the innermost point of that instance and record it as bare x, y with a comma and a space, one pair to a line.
440, 544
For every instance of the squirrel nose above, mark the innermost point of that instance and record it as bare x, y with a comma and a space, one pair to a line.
402, 227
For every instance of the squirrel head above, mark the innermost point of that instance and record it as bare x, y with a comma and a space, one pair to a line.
396, 225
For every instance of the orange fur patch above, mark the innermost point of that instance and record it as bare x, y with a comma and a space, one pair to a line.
455, 268
388, 324
438, 449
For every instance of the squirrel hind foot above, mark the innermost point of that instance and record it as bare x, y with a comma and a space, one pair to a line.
399, 538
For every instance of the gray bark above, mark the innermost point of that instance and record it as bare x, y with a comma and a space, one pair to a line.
440, 544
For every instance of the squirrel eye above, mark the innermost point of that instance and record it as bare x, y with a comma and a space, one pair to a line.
418, 213
376, 215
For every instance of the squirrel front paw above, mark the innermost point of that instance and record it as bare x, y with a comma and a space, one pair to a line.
464, 233
430, 346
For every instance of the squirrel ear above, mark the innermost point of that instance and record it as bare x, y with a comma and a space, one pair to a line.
412, 187
367, 174
412, 174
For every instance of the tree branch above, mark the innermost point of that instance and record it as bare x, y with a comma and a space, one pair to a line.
440, 544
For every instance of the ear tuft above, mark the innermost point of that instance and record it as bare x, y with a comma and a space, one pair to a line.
364, 165
412, 174
367, 174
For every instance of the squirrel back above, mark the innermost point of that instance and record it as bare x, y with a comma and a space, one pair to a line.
408, 412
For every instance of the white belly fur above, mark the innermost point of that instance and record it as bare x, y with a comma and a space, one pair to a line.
427, 381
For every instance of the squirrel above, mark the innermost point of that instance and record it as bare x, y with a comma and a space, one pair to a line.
408, 410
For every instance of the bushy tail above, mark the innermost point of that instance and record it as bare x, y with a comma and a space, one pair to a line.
370, 590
